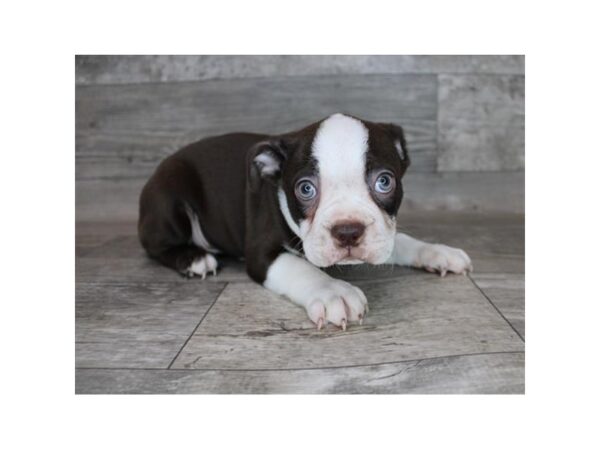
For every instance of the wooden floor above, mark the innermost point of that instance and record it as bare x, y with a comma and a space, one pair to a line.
141, 328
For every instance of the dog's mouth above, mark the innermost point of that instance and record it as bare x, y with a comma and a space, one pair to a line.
349, 261
352, 255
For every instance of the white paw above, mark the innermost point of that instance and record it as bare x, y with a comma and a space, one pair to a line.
441, 258
202, 266
337, 302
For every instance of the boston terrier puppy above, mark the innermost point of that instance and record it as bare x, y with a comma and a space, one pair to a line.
289, 204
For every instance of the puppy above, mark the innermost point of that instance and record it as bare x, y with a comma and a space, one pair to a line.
288, 204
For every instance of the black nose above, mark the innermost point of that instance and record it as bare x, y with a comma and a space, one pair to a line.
348, 234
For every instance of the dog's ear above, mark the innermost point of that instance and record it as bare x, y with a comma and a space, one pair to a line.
396, 132
268, 158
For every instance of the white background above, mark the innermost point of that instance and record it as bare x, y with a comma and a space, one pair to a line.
39, 41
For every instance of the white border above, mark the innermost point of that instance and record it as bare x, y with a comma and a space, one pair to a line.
39, 41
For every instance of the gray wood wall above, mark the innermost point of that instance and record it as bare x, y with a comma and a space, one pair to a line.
464, 117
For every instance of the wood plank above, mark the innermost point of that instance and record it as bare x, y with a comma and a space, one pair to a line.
111, 69
130, 324
124, 131
496, 192
503, 192
122, 259
481, 122
473, 374
507, 292
415, 316
494, 242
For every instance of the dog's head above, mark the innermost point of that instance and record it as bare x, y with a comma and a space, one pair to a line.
339, 187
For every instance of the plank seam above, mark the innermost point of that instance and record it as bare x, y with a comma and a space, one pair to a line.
496, 308
196, 327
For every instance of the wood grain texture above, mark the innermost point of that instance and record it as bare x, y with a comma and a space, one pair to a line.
489, 192
124, 131
495, 242
98, 69
507, 292
122, 259
481, 122
136, 325
412, 317
501, 373
133, 314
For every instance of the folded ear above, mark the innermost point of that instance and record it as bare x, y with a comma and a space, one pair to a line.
268, 158
397, 134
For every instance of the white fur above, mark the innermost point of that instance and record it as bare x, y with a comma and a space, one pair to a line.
441, 258
285, 210
398, 146
198, 237
340, 147
269, 164
324, 298
204, 265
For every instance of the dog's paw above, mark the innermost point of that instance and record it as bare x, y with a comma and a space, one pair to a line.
339, 303
441, 258
202, 266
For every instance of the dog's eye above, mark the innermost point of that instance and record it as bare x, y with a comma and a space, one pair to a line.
385, 183
305, 190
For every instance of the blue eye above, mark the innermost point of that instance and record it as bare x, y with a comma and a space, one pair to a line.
305, 190
385, 183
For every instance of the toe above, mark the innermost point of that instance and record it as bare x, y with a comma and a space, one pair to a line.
211, 264
316, 313
335, 311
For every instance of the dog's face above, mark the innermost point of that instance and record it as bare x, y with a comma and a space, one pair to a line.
339, 187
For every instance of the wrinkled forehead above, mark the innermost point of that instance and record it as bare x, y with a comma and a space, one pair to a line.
339, 148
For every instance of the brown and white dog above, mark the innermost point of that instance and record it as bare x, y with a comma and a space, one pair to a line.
289, 204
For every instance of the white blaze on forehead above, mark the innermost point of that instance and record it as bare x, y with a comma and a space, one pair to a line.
340, 150
339, 147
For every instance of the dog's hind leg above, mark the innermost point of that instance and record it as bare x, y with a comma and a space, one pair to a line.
170, 234
189, 260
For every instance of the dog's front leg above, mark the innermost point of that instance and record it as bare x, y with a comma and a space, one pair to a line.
440, 258
325, 299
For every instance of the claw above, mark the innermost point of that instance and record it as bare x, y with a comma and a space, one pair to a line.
443, 273
344, 324
319, 323
204, 276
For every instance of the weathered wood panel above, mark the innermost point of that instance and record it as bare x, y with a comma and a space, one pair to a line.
106, 200
131, 325
507, 292
414, 316
481, 122
501, 373
495, 243
134, 313
98, 69
124, 131
111, 251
